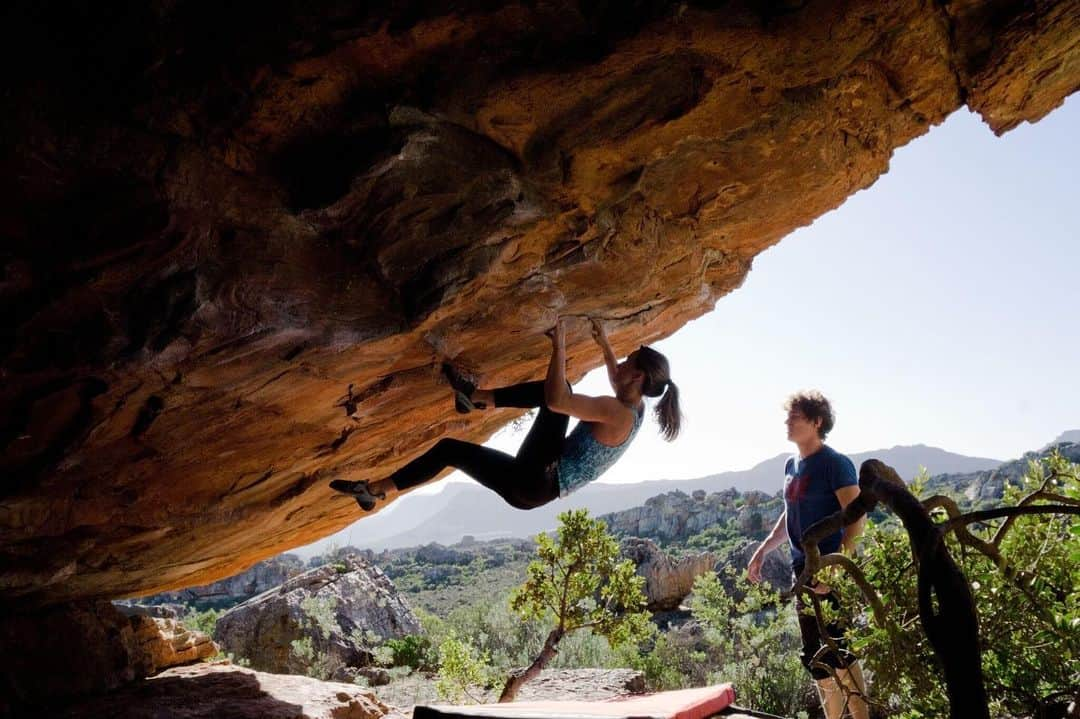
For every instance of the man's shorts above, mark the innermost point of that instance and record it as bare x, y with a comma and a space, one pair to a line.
811, 638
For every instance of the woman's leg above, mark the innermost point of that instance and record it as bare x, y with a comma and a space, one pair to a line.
544, 443
521, 484
525, 395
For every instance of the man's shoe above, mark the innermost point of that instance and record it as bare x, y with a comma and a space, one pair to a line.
463, 390
359, 490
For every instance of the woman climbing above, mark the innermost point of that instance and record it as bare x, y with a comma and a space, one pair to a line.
549, 463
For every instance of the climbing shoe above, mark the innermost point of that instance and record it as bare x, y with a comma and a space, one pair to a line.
358, 490
463, 390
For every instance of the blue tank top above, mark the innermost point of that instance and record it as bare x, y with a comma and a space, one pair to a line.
584, 459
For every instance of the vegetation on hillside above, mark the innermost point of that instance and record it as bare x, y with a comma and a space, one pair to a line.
1028, 606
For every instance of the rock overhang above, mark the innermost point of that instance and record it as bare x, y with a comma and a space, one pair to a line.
239, 242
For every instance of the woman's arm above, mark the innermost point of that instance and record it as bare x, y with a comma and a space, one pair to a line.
609, 356
559, 398
556, 393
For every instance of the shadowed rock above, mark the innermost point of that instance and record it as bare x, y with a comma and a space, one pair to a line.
85, 647
209, 691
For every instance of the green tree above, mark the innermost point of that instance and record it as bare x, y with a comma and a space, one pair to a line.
1028, 603
578, 582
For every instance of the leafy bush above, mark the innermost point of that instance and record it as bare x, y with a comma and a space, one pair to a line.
319, 620
462, 670
752, 643
205, 621
414, 651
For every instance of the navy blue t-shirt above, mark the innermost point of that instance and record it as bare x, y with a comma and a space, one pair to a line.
810, 495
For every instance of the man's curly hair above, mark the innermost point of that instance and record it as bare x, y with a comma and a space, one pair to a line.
813, 405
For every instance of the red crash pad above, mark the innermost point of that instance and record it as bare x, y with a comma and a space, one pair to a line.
682, 704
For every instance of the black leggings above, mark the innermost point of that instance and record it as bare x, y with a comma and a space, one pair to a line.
523, 480
811, 637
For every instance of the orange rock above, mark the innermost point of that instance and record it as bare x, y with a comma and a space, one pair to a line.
238, 248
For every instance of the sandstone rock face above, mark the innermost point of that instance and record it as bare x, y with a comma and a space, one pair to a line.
667, 582
238, 242
85, 647
211, 691
336, 606
676, 515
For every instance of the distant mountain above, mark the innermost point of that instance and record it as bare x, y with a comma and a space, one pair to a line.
469, 509
1073, 435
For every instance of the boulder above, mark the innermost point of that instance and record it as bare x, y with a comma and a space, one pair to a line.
164, 641
373, 676
212, 691
667, 581
338, 607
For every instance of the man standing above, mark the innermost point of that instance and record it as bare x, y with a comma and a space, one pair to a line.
819, 481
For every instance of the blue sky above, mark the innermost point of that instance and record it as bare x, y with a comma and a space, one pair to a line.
939, 306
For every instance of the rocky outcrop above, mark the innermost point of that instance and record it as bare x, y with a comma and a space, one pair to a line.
239, 241
373, 676
210, 691
84, 647
227, 592
340, 608
987, 487
667, 581
675, 516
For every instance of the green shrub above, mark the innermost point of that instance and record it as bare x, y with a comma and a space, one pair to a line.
463, 669
414, 651
205, 621
756, 640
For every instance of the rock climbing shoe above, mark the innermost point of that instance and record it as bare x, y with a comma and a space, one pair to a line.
358, 490
463, 390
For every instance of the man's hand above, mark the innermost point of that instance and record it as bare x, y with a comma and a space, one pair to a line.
753, 569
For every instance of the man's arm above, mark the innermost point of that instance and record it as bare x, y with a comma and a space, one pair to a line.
776, 537
846, 495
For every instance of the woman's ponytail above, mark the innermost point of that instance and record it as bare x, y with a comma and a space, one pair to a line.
658, 382
667, 413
